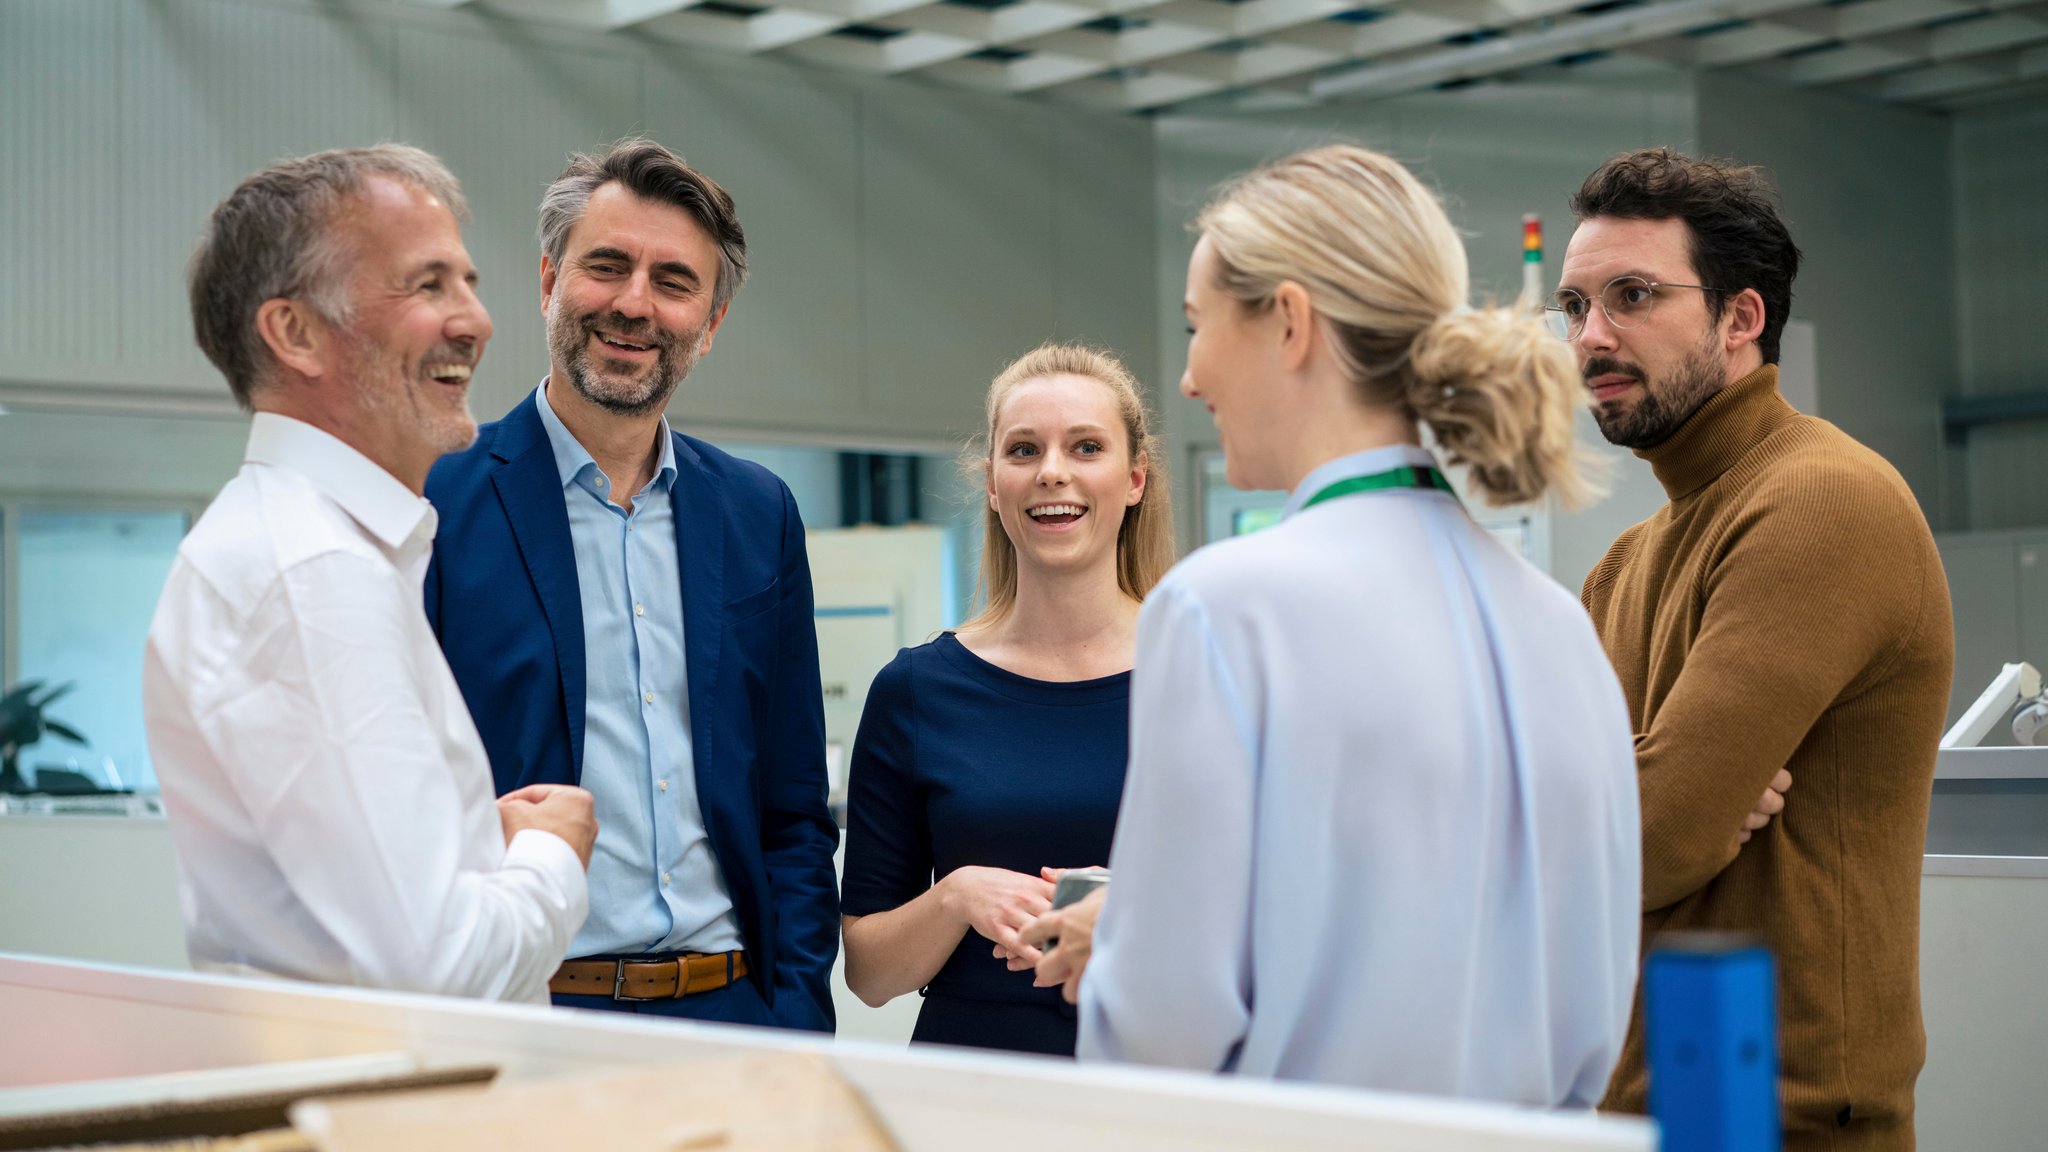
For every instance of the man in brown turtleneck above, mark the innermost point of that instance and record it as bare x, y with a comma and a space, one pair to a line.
1785, 611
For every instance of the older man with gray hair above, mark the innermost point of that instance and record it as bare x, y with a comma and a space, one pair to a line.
329, 798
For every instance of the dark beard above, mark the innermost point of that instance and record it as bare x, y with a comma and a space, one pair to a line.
569, 339
1660, 408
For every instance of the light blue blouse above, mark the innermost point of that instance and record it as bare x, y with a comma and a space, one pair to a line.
1380, 826
655, 885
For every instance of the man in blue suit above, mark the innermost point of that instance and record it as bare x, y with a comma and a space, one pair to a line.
629, 609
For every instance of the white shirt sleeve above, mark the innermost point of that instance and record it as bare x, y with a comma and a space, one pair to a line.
353, 783
1170, 981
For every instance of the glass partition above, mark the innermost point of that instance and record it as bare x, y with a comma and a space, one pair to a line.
86, 584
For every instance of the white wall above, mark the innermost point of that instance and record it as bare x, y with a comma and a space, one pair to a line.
73, 455
2001, 239
1866, 193
99, 888
905, 241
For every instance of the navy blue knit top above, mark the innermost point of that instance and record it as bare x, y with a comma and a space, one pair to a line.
959, 763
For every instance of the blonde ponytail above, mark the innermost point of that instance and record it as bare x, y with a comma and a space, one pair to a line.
1499, 394
1381, 263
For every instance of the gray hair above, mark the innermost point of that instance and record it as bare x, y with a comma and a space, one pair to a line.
271, 238
650, 172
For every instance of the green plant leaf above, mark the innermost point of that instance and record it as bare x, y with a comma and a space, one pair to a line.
22, 719
66, 731
19, 694
55, 693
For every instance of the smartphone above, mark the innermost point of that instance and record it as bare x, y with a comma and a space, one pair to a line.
1076, 883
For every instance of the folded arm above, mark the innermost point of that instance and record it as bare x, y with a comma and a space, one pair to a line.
1801, 607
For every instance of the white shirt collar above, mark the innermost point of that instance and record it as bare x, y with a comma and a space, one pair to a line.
373, 497
571, 457
1356, 464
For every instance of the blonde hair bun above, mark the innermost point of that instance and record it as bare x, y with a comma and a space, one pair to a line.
1499, 393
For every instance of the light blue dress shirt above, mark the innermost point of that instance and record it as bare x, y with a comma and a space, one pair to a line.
1380, 825
655, 885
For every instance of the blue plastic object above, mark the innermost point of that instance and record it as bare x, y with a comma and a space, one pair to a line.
1712, 1032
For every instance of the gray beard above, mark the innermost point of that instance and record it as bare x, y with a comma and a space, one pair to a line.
1664, 407
569, 340
382, 385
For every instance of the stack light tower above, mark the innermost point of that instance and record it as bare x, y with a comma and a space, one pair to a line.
1532, 260
1525, 528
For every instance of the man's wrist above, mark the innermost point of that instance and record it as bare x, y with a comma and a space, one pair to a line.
533, 842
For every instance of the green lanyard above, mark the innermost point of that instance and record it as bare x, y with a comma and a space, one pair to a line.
1406, 476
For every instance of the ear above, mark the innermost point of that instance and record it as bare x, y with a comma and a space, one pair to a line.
295, 335
988, 480
1298, 332
547, 284
711, 329
1742, 320
1139, 472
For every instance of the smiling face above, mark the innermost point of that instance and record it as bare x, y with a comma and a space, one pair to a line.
1228, 358
1646, 380
418, 328
629, 309
1061, 472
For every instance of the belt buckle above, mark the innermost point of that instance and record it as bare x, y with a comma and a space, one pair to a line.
619, 986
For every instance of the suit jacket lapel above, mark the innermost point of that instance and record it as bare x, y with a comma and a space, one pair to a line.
700, 514
530, 489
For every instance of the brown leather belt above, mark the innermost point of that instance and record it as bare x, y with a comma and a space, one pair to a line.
634, 980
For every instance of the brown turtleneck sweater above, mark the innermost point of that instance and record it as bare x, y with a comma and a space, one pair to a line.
1787, 609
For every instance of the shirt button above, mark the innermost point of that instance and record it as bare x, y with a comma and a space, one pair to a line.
664, 879
662, 784
647, 696
639, 609
600, 481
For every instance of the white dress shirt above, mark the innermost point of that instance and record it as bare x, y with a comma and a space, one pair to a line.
1380, 826
329, 799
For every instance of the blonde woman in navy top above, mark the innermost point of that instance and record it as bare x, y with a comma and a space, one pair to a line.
993, 757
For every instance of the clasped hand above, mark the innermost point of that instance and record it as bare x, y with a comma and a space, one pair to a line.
1768, 805
563, 809
998, 903
1004, 907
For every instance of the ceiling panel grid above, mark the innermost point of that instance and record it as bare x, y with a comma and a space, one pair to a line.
1142, 56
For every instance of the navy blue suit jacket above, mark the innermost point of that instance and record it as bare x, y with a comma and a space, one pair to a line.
502, 596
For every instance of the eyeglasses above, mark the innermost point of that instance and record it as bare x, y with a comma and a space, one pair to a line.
1627, 300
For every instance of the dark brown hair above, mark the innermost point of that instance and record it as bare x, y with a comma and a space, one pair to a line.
1738, 240
650, 172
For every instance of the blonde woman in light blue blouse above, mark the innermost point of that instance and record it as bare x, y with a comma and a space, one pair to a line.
1380, 824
